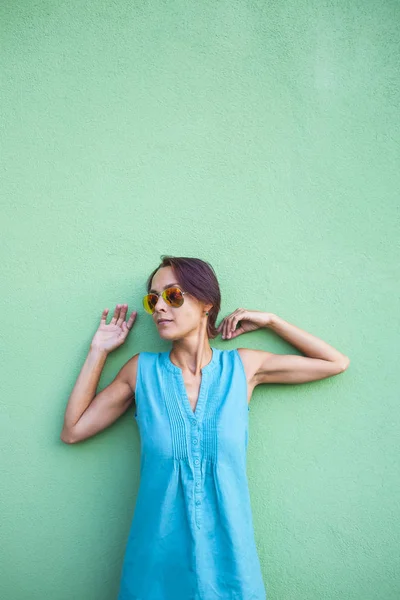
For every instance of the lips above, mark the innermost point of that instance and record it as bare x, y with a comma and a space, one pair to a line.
163, 321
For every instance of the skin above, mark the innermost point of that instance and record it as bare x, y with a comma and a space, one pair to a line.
89, 412
191, 349
187, 331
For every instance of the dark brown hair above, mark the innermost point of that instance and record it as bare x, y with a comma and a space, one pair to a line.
198, 278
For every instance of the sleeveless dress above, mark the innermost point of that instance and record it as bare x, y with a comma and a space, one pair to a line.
192, 534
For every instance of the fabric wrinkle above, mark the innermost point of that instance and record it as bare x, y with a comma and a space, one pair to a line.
191, 536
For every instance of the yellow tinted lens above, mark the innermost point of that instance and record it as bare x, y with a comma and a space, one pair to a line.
173, 296
149, 303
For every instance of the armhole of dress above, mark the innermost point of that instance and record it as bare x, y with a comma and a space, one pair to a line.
244, 374
138, 385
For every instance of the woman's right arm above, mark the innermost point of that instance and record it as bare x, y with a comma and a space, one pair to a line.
87, 413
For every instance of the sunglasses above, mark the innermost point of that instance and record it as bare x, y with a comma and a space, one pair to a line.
172, 296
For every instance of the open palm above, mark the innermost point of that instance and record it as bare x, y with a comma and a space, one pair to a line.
112, 335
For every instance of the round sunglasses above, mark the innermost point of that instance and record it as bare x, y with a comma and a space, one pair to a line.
172, 296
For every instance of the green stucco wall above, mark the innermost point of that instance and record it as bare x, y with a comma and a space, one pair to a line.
262, 136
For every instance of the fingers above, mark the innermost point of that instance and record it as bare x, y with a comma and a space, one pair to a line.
119, 315
228, 328
228, 325
122, 314
103, 318
224, 327
235, 333
131, 319
127, 325
116, 314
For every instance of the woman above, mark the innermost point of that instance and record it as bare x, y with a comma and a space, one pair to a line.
192, 535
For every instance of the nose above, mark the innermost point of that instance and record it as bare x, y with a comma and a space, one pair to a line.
162, 302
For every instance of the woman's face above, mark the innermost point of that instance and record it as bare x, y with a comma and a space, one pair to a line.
181, 321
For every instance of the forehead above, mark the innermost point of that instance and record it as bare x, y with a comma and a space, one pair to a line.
164, 276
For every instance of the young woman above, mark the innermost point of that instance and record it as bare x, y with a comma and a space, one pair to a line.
192, 534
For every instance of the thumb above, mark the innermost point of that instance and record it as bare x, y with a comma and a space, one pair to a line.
235, 333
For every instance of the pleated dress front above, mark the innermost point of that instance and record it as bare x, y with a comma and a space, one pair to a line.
192, 536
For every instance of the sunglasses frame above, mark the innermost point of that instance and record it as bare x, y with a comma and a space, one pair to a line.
172, 287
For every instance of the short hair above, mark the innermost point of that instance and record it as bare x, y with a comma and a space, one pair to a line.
198, 278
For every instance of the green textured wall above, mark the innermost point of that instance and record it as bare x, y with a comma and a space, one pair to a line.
263, 137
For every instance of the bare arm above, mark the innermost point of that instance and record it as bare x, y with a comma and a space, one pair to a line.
322, 360
87, 413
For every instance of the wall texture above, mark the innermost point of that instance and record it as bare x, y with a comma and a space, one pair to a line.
263, 137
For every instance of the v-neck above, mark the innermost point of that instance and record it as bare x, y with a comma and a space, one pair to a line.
182, 395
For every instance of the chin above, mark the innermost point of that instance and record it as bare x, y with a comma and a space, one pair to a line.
166, 335
169, 335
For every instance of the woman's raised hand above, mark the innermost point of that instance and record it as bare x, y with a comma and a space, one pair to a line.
109, 337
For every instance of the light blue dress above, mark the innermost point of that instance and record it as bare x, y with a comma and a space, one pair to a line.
192, 534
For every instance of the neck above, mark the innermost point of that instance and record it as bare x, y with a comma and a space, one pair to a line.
191, 354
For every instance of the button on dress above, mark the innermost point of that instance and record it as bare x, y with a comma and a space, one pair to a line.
192, 536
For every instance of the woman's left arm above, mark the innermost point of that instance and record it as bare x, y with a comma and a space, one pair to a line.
307, 343
321, 360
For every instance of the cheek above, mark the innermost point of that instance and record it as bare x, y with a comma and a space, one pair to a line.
188, 318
